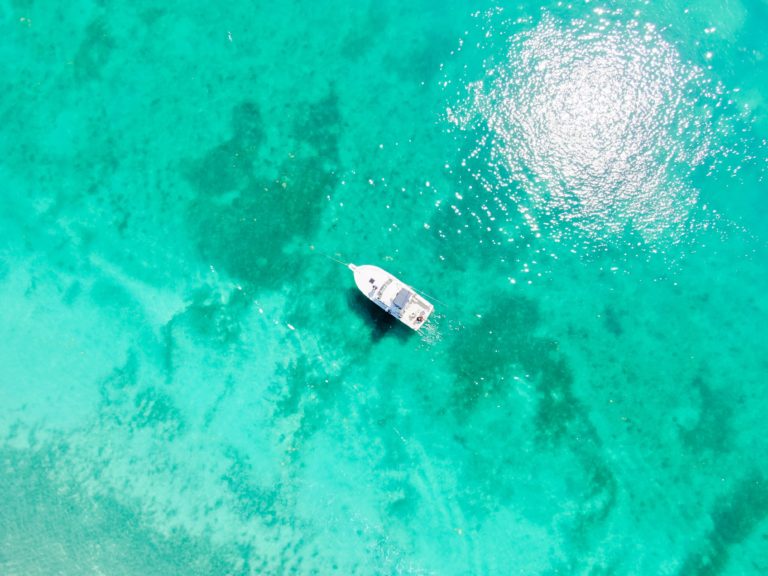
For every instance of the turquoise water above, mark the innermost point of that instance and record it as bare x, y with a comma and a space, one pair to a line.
190, 387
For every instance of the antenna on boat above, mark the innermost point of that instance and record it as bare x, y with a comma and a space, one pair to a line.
345, 264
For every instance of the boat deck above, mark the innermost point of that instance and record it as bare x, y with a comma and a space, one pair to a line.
390, 294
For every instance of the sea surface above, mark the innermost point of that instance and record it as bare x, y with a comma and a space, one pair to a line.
189, 386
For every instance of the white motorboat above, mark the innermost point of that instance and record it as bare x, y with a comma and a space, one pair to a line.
392, 295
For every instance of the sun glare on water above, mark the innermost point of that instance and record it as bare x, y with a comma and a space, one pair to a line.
588, 127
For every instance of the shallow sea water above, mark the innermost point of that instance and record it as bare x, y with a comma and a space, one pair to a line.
190, 387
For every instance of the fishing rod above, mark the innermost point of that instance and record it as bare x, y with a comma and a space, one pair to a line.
345, 264
431, 297
335, 260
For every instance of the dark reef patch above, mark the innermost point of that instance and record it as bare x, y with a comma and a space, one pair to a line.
712, 431
500, 361
156, 409
252, 500
596, 501
557, 406
308, 392
247, 127
319, 127
505, 337
357, 42
213, 315
247, 237
229, 166
126, 402
72, 293
488, 348
94, 51
734, 516
110, 295
222, 170
242, 220
4, 269
612, 322
419, 58
117, 389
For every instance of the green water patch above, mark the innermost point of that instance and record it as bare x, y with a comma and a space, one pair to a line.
478, 226
51, 526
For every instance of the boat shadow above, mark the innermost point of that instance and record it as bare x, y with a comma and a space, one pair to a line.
382, 324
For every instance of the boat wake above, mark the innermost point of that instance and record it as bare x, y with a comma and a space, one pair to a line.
432, 333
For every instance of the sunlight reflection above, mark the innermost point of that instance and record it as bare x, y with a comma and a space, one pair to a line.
592, 127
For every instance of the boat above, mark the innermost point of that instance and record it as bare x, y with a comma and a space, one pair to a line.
392, 295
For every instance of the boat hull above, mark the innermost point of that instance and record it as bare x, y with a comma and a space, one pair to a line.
391, 295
